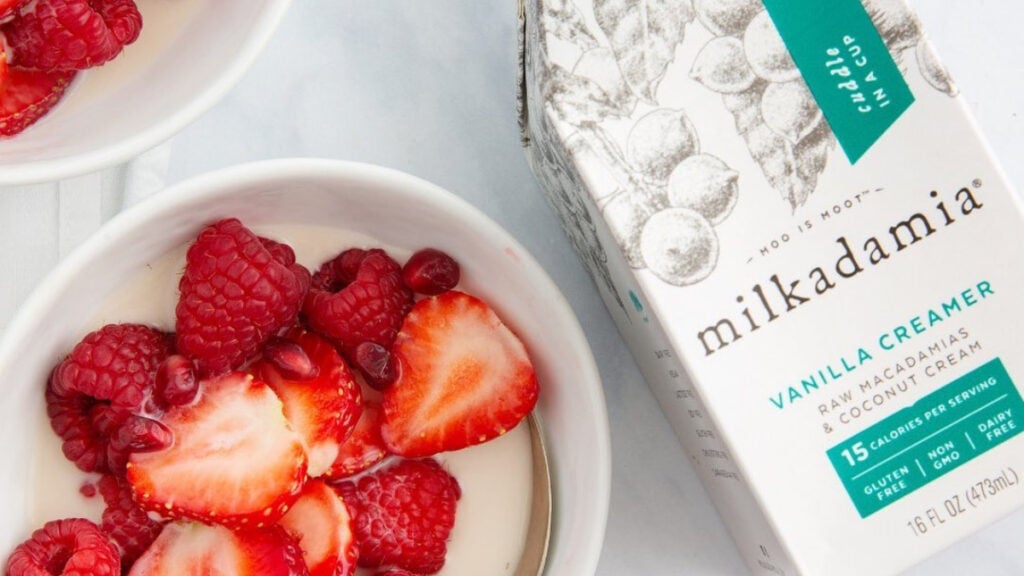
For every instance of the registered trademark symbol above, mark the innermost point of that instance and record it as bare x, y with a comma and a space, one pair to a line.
977, 182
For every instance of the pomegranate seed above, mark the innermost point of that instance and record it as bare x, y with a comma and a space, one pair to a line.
290, 359
430, 272
87, 489
176, 382
141, 434
374, 361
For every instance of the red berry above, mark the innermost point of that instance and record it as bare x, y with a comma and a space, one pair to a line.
281, 252
364, 447
463, 378
9, 8
234, 461
340, 271
124, 521
27, 95
72, 547
395, 572
71, 34
141, 434
376, 364
234, 297
107, 376
403, 515
322, 410
176, 381
370, 308
322, 526
290, 360
189, 548
430, 272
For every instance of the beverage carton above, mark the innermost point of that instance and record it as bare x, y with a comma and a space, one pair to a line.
811, 253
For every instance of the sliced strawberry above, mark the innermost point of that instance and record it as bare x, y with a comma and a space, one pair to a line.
323, 527
3, 56
234, 461
323, 409
27, 95
186, 548
464, 378
364, 447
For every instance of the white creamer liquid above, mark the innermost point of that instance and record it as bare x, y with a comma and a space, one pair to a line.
493, 513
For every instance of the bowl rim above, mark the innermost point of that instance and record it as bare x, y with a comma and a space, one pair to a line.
123, 150
221, 181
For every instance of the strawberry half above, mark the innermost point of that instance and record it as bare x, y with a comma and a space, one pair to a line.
322, 525
185, 548
364, 447
324, 409
234, 461
464, 378
27, 95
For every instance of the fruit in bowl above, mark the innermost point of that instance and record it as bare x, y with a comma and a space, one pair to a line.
47, 43
233, 432
92, 83
130, 274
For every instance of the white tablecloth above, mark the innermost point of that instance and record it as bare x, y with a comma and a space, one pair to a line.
427, 87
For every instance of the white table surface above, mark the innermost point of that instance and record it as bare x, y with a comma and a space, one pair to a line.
427, 87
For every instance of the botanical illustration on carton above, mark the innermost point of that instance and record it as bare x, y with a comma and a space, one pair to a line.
661, 192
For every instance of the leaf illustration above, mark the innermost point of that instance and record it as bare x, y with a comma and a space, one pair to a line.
563, 19
578, 100
644, 35
896, 23
791, 168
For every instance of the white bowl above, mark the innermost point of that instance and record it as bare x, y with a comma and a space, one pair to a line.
190, 53
398, 210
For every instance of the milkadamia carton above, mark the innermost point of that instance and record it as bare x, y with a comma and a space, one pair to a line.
811, 253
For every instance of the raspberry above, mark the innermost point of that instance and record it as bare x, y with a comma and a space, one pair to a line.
235, 295
72, 547
403, 515
369, 308
9, 8
108, 376
340, 271
128, 525
284, 254
71, 34
430, 272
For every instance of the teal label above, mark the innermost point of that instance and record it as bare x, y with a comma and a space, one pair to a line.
938, 434
847, 67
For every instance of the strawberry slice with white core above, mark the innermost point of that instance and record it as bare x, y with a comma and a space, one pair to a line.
322, 525
464, 378
234, 461
27, 95
364, 447
192, 549
323, 409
